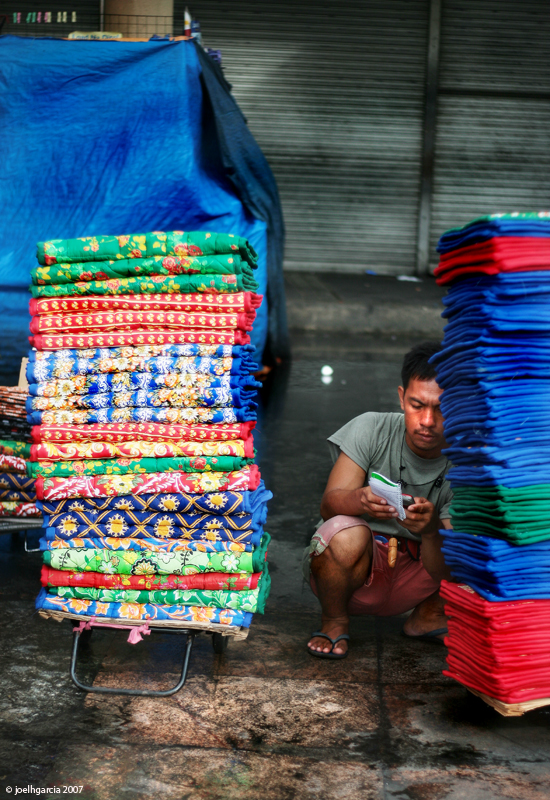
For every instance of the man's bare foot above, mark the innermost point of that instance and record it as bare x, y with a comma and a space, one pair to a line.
332, 628
428, 616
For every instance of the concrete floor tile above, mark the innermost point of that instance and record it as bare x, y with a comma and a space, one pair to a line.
489, 783
193, 774
248, 713
450, 718
403, 660
277, 646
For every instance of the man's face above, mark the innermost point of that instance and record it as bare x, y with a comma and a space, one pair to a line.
423, 419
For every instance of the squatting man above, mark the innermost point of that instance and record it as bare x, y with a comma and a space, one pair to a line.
347, 560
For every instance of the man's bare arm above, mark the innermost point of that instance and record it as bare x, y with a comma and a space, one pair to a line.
346, 494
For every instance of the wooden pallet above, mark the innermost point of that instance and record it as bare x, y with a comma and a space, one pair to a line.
225, 630
511, 709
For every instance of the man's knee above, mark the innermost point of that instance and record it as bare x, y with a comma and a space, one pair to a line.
349, 545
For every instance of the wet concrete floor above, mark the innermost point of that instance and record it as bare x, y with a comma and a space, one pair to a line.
265, 719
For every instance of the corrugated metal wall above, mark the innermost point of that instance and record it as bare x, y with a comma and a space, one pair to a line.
493, 128
334, 96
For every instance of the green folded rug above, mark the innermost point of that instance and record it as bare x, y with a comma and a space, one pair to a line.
123, 466
252, 600
155, 284
143, 245
141, 267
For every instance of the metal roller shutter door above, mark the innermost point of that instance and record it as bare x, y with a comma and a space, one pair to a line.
493, 128
334, 96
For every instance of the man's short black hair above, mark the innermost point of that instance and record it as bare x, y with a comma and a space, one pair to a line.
416, 363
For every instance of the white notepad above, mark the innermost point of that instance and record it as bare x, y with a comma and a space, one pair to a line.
390, 491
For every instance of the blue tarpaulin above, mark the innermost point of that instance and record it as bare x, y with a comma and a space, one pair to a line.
120, 137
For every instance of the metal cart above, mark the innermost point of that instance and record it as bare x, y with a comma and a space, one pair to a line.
83, 627
18, 524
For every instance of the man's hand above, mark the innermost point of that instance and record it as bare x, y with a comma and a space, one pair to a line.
421, 517
375, 506
347, 494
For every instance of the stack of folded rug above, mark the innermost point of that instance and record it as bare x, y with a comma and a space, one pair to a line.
13, 414
499, 649
142, 402
17, 490
496, 380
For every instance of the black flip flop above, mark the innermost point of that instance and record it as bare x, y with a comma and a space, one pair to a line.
431, 636
320, 654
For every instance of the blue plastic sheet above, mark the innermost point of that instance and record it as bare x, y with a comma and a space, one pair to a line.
52, 368
68, 521
147, 612
494, 369
496, 569
483, 475
479, 230
249, 537
103, 137
146, 414
50, 541
502, 287
495, 373
220, 503
146, 381
151, 518
218, 398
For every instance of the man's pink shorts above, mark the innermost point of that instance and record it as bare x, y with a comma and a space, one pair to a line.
388, 590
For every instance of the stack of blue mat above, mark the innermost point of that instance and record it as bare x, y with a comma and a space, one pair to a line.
495, 372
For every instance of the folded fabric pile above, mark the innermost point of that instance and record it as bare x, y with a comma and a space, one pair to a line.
141, 397
494, 371
498, 649
17, 490
13, 414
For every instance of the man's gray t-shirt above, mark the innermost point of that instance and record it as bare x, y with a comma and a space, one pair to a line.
376, 442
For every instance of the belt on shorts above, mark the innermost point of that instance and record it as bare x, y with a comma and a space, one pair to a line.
409, 546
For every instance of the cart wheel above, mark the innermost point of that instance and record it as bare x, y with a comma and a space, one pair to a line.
219, 643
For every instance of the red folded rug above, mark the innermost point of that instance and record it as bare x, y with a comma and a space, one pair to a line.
141, 431
14, 509
69, 451
499, 649
138, 337
208, 581
192, 303
12, 464
136, 320
499, 254
244, 480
